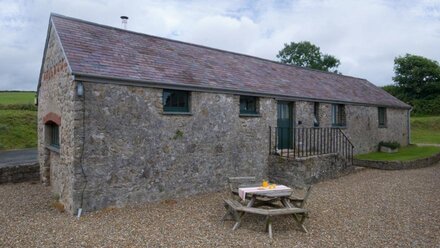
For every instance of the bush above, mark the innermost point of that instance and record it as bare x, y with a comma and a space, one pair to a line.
426, 107
389, 144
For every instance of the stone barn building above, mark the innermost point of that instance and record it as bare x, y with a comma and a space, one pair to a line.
126, 117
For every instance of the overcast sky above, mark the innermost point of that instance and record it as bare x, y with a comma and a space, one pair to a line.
365, 35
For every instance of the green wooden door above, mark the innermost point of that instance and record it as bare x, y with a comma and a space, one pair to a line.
285, 125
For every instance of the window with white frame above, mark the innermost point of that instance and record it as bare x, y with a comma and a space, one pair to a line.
338, 115
382, 116
316, 114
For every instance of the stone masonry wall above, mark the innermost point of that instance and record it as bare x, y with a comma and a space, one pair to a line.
56, 96
399, 165
363, 129
304, 171
362, 124
19, 173
135, 153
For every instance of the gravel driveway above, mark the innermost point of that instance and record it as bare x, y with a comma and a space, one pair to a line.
371, 208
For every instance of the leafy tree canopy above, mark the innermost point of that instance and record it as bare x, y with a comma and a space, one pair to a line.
418, 77
306, 54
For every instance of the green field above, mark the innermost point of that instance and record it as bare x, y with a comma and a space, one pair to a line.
425, 130
18, 129
407, 153
8, 98
18, 120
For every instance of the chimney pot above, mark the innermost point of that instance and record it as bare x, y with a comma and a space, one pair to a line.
124, 21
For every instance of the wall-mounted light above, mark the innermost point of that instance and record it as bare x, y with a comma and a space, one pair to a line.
80, 89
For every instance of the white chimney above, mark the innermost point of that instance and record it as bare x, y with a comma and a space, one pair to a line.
124, 21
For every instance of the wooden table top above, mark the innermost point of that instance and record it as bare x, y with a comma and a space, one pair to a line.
273, 193
268, 192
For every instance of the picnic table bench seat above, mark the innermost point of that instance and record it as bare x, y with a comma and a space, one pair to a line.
234, 207
300, 202
235, 182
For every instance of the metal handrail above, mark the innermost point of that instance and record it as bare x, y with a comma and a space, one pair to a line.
304, 142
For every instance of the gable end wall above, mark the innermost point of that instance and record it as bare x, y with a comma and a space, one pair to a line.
56, 99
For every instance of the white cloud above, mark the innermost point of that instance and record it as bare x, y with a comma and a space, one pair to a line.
365, 35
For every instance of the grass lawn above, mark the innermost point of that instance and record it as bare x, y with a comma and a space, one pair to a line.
18, 124
425, 130
411, 152
18, 129
7, 98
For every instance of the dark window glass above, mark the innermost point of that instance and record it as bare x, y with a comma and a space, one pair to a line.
175, 101
316, 114
248, 105
54, 135
382, 116
338, 115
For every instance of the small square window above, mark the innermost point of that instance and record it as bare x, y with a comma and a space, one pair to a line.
338, 115
175, 101
382, 112
248, 105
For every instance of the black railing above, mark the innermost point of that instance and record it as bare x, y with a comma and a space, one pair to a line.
305, 142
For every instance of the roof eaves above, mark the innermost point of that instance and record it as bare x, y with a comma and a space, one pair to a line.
179, 86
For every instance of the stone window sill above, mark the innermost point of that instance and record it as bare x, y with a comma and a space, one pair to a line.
53, 148
341, 127
383, 126
177, 113
250, 115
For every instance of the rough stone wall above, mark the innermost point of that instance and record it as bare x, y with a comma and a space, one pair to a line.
364, 131
303, 114
399, 165
304, 171
19, 173
134, 152
362, 124
56, 96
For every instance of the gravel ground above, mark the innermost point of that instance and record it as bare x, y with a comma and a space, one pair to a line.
371, 208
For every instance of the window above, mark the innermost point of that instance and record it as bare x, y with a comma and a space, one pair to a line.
382, 116
316, 114
338, 115
54, 135
175, 101
248, 105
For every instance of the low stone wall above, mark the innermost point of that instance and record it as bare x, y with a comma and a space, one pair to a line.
399, 165
20, 173
303, 171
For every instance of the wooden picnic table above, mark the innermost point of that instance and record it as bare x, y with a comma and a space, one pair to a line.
267, 197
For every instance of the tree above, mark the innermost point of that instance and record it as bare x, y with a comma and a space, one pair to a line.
306, 54
396, 91
418, 77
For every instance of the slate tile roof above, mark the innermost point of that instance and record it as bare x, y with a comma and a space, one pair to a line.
111, 52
